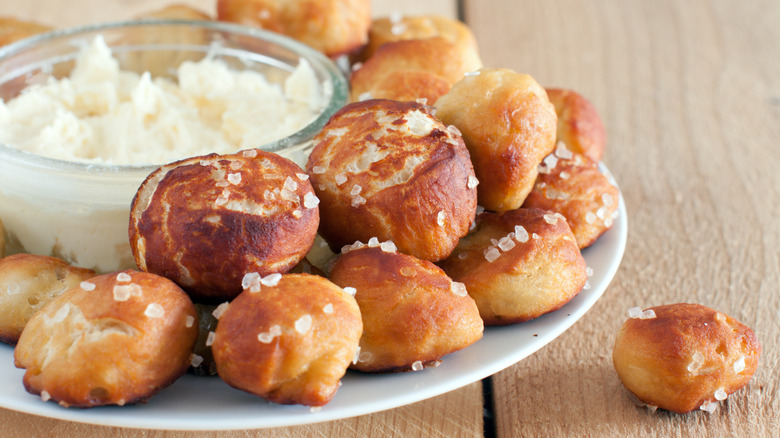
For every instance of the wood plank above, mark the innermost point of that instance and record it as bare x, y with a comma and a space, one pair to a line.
690, 95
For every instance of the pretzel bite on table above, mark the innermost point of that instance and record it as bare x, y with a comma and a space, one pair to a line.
390, 170
334, 27
518, 265
12, 29
403, 27
29, 282
579, 125
508, 124
116, 339
443, 61
205, 221
684, 357
288, 339
573, 186
413, 314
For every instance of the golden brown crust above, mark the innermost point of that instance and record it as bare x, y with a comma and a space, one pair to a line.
204, 222
515, 277
176, 12
680, 358
334, 27
579, 125
389, 29
574, 186
29, 282
437, 56
406, 85
12, 29
410, 312
289, 343
119, 343
508, 125
390, 170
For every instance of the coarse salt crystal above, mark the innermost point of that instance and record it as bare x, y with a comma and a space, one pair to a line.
373, 242
388, 246
196, 360
223, 198
534, 236
310, 200
720, 394
472, 73
328, 308
587, 285
709, 406
647, 314
205, 163
14, 288
473, 182
189, 321
521, 234
562, 152
608, 222
356, 356
154, 310
551, 218
408, 271
463, 255
318, 170
494, 241
123, 277
234, 178
275, 330
365, 356
251, 281
235, 165
61, 313
634, 312
739, 365
602, 212
564, 174
589, 271
422, 101
697, 360
122, 292
265, 337
364, 96
452, 129
315, 408
288, 195
269, 195
87, 285
440, 217
220, 310
358, 200
302, 176
417, 365
249, 153
607, 198
491, 254
210, 338
290, 184
297, 214
506, 243
458, 289
480, 209
350, 290
590, 217
45, 396
271, 279
222, 184
356, 189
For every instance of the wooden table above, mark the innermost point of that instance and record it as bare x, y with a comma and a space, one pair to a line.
690, 94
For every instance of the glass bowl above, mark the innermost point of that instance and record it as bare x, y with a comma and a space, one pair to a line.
79, 211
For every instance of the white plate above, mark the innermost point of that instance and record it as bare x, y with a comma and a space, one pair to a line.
206, 403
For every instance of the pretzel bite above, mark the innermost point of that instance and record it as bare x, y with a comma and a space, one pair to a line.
508, 125
413, 314
399, 27
682, 357
288, 339
116, 339
390, 170
442, 60
579, 125
205, 221
27, 283
573, 186
334, 27
518, 265
405, 85
12, 29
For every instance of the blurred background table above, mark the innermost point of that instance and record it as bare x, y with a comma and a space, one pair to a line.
690, 94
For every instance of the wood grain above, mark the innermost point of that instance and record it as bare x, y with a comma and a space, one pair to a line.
690, 94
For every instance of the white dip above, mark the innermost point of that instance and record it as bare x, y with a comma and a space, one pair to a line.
102, 114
